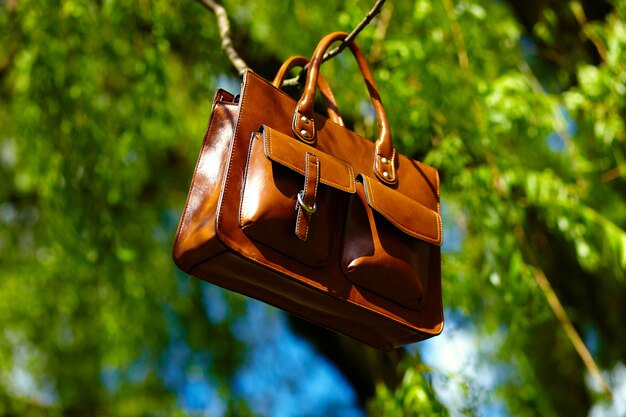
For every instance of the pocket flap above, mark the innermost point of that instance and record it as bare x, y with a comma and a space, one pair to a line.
290, 152
403, 212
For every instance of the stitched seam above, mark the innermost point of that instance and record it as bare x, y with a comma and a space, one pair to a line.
298, 221
245, 181
313, 130
400, 226
317, 180
352, 185
193, 182
439, 222
278, 159
430, 239
339, 186
300, 209
232, 154
306, 216
317, 177
392, 163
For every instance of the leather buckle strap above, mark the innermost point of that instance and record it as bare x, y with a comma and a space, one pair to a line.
306, 205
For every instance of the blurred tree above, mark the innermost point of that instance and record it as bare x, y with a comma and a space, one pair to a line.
521, 105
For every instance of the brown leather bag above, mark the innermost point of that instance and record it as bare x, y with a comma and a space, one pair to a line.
293, 209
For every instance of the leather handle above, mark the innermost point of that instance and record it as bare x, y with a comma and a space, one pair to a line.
303, 124
322, 84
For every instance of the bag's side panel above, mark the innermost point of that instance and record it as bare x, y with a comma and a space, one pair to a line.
196, 239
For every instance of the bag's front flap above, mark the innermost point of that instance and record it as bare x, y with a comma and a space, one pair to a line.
406, 214
403, 212
290, 152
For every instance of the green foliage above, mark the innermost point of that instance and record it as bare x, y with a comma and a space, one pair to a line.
91, 162
414, 397
103, 103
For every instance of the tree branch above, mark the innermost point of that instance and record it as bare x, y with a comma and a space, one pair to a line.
457, 33
366, 20
224, 29
579, 13
380, 32
570, 330
240, 65
560, 313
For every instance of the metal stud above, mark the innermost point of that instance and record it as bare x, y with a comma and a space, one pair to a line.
386, 174
384, 160
304, 133
304, 119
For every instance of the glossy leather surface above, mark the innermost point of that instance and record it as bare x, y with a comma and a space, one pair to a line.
381, 250
268, 210
195, 238
370, 266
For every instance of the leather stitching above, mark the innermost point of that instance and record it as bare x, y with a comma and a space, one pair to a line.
317, 180
298, 217
392, 164
306, 217
439, 222
193, 178
245, 179
370, 197
298, 208
232, 153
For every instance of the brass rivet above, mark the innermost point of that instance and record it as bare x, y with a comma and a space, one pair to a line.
386, 174
304, 133
384, 160
304, 119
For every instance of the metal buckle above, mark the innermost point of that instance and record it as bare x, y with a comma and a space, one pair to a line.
306, 208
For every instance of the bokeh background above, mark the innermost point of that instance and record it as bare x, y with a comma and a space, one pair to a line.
520, 105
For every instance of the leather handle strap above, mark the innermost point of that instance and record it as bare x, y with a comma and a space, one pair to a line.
322, 84
303, 124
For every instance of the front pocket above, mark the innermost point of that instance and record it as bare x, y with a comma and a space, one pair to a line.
269, 200
379, 254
